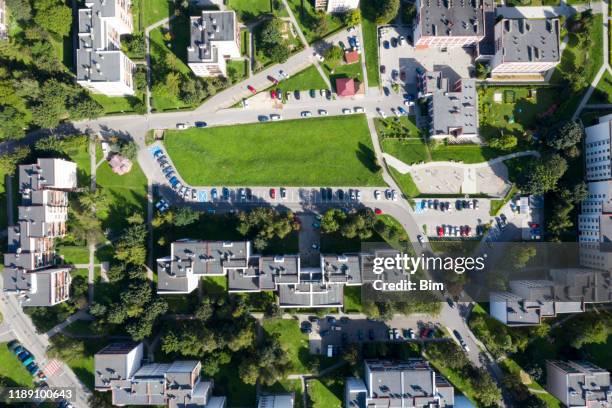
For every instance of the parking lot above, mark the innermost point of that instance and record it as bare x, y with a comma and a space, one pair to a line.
452, 220
404, 58
337, 332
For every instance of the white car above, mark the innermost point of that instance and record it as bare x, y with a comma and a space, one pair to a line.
376, 195
358, 195
395, 112
381, 113
283, 74
394, 195
245, 103
358, 109
306, 114
181, 126
420, 239
274, 116
408, 103
347, 111
322, 112
319, 57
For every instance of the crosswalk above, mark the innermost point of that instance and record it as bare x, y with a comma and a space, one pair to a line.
52, 367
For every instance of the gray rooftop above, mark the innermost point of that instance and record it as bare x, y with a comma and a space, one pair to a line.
42, 175
586, 383
530, 40
208, 257
446, 18
276, 401
453, 110
98, 66
344, 268
310, 295
17, 280
205, 30
111, 363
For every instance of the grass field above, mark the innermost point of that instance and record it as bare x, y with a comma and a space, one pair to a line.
323, 396
305, 14
603, 91
344, 71
155, 10
352, 299
519, 110
295, 342
409, 150
511, 366
334, 151
11, 370
303, 81
248, 10
370, 46
467, 153
118, 104
240, 68
127, 194
405, 183
73, 254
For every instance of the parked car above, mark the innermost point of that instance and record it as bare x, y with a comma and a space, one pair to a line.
386, 45
275, 117
347, 111
250, 88
213, 194
306, 114
181, 126
283, 74
322, 112
272, 79
200, 124
283, 193
306, 327
378, 211
340, 193
358, 109
381, 113
226, 193
272, 193
383, 69
376, 194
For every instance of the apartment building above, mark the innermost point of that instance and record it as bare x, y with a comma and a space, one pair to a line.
119, 368
101, 66
567, 290
214, 39
453, 109
578, 384
30, 265
450, 23
296, 286
525, 46
335, 6
595, 219
409, 383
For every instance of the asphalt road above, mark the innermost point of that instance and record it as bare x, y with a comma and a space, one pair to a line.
20, 326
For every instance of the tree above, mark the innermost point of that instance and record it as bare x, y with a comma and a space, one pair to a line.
192, 91
588, 331
21, 10
185, 216
565, 136
359, 224
268, 363
408, 12
504, 142
332, 219
84, 107
172, 83
484, 385
54, 16
449, 352
128, 149
131, 246
542, 176
483, 69
385, 10
271, 41
265, 224
320, 24
12, 123
352, 17
134, 45
9, 162
333, 55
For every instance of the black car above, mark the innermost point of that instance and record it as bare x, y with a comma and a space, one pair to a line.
323, 194
263, 118
340, 194
394, 42
435, 204
458, 205
306, 327
297, 94
313, 319
249, 194
386, 91
386, 44
330, 194
312, 93
383, 69
464, 204
331, 320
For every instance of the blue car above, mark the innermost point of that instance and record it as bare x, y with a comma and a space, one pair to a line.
28, 361
226, 193
32, 368
157, 153
203, 196
213, 194
17, 350
24, 355
174, 181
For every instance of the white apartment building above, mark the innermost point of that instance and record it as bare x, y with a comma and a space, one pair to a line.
525, 46
3, 27
335, 6
30, 267
101, 66
215, 38
595, 219
578, 384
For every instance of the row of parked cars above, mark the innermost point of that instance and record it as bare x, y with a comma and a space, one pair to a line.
434, 204
27, 359
454, 231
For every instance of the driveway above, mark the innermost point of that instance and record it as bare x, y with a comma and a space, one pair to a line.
433, 218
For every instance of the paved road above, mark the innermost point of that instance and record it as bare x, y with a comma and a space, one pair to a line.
21, 327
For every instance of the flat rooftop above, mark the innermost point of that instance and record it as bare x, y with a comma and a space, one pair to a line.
210, 27
530, 40
452, 18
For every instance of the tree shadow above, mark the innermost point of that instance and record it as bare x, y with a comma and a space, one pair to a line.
367, 157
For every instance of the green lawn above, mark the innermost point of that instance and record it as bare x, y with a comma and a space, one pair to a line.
332, 151
240, 69
11, 369
467, 153
228, 383
127, 194
305, 14
408, 150
304, 80
324, 396
352, 299
155, 10
370, 47
402, 127
83, 363
215, 285
520, 109
603, 91
405, 183
73, 254
248, 10
179, 29
511, 366
244, 42
118, 104
577, 55
344, 71
295, 342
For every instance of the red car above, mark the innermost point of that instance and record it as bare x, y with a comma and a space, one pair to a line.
273, 94
272, 79
440, 231
250, 88
272, 193
377, 211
